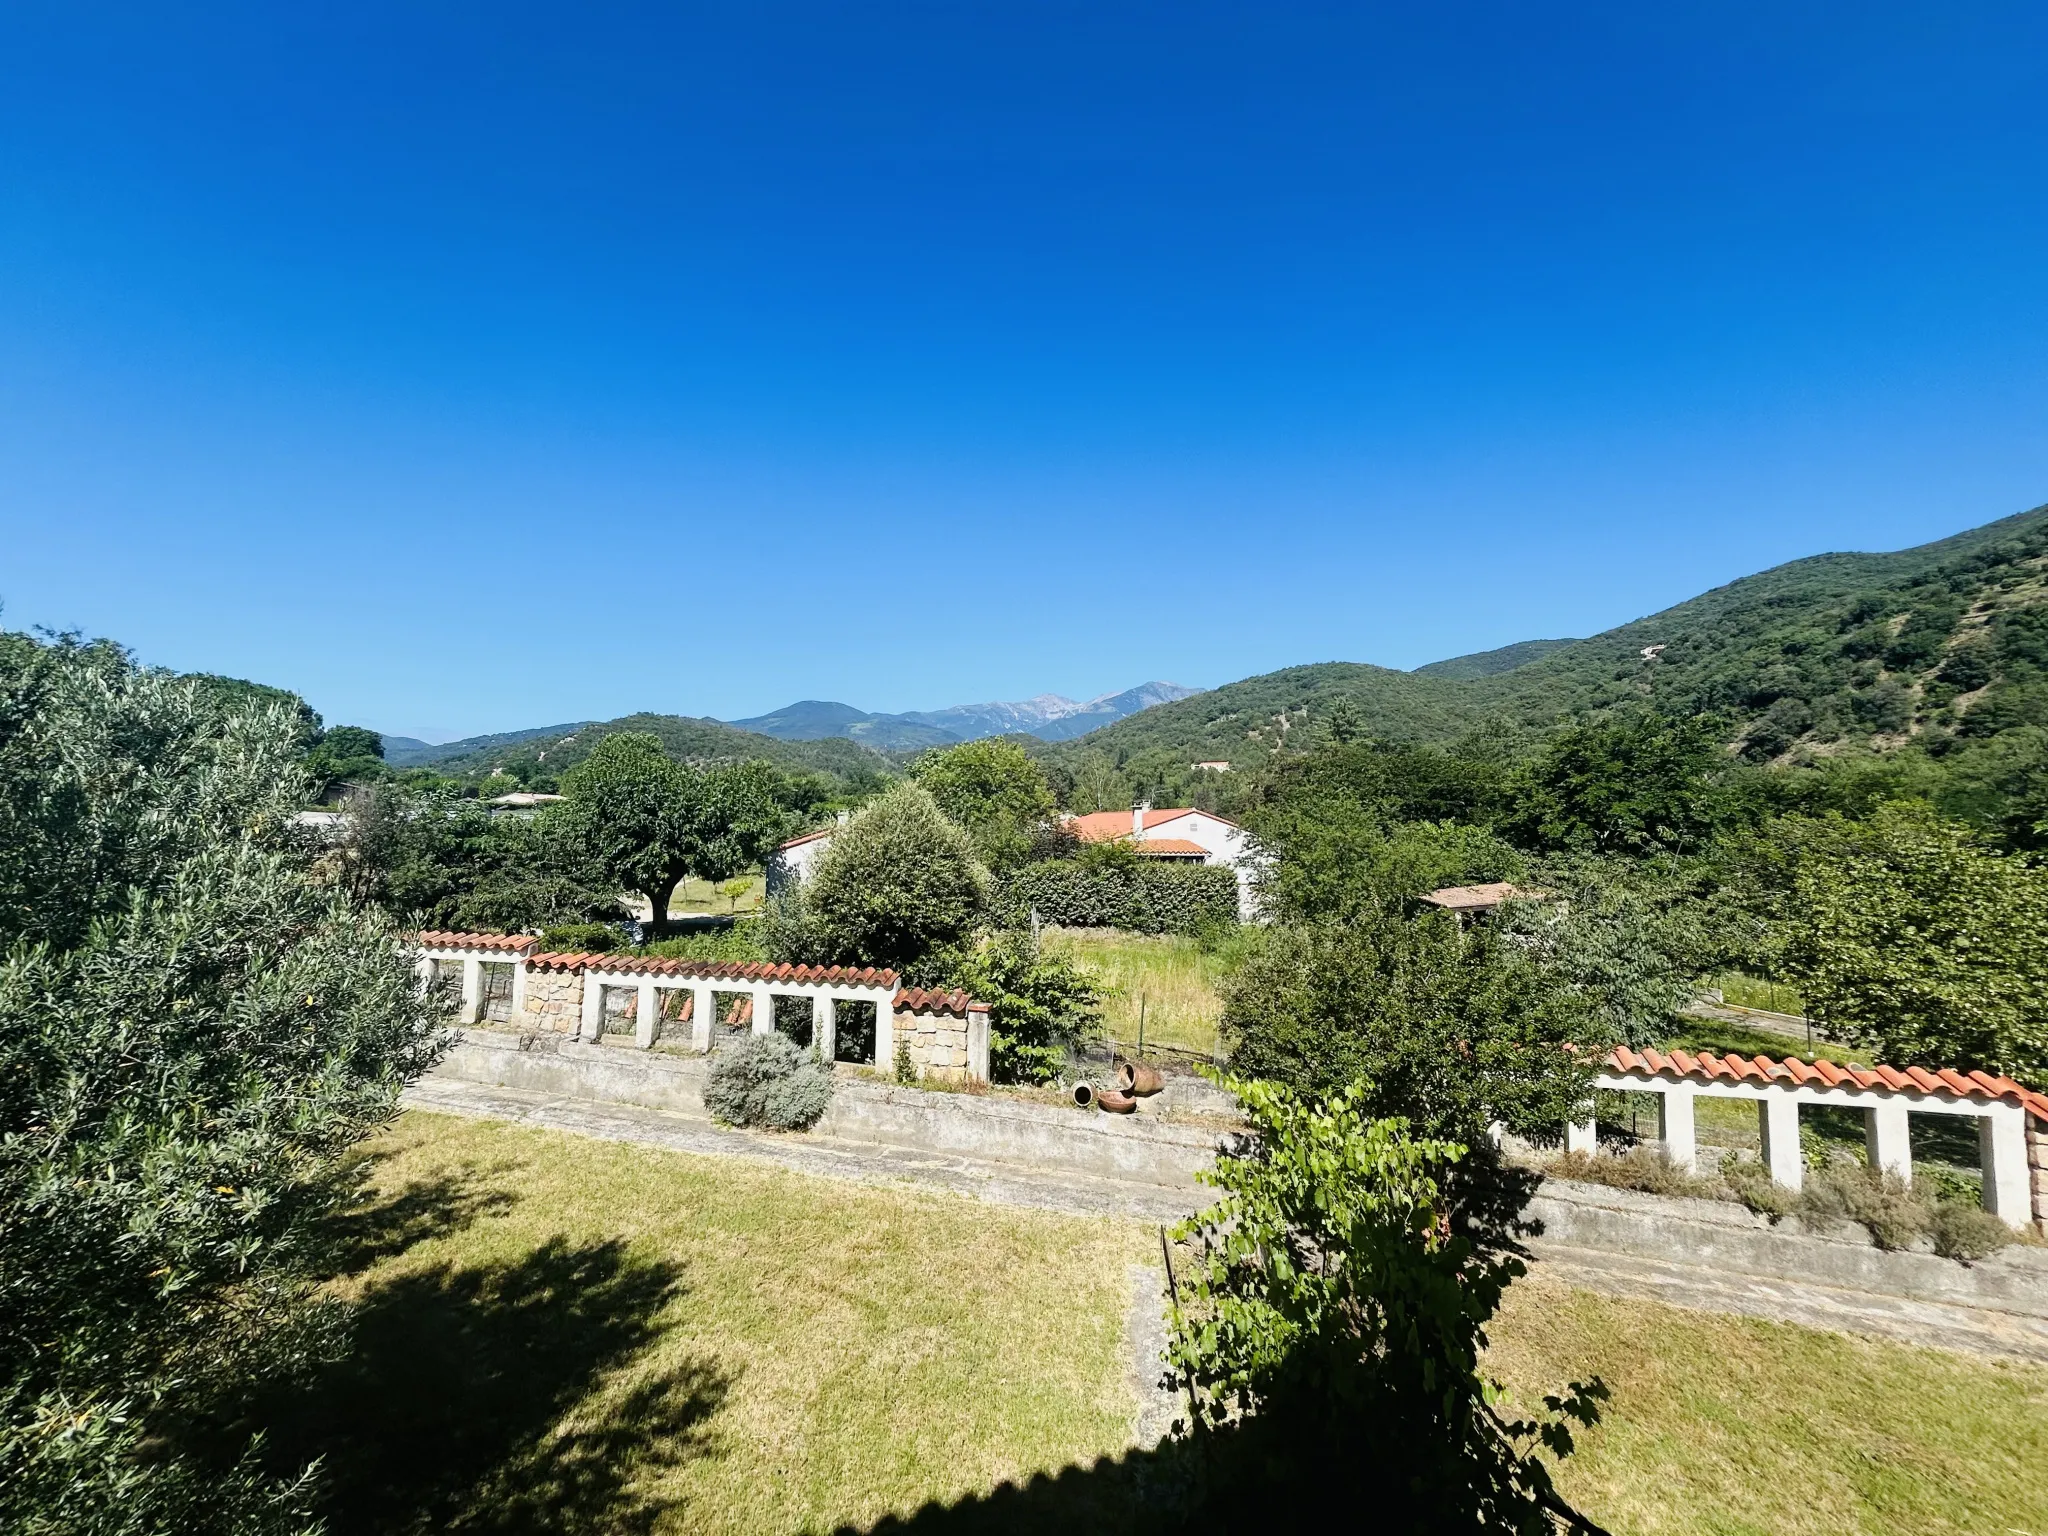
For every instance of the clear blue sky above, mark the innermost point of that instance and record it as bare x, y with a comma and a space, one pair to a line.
474, 367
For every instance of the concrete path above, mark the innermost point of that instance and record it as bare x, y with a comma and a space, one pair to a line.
1813, 1306
864, 1162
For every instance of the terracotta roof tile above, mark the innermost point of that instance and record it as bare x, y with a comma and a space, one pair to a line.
1707, 1066
436, 938
956, 1002
1108, 826
716, 970
1169, 847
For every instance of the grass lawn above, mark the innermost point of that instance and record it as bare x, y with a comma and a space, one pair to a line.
571, 1335
695, 898
1167, 977
564, 1335
1729, 1425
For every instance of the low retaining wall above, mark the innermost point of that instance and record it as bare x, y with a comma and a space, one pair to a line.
989, 1128
1729, 1238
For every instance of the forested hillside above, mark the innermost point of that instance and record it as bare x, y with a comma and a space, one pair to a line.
1487, 663
683, 736
1939, 645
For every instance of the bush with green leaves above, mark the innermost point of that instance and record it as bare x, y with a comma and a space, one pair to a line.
195, 1028
581, 939
1330, 1333
767, 1081
899, 882
1142, 896
996, 792
1040, 1005
1453, 1029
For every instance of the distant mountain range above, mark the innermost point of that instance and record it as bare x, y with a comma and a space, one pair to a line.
1049, 717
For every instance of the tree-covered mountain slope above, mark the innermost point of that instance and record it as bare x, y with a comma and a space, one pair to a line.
1488, 663
1948, 640
684, 737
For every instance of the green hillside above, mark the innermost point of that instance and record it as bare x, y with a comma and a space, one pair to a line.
1489, 663
684, 737
1945, 641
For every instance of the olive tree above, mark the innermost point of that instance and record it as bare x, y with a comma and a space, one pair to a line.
194, 1030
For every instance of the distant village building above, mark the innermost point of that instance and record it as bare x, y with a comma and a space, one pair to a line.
1477, 900
792, 863
1214, 767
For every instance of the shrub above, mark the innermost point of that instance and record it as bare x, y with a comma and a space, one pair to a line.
740, 944
1038, 1004
899, 881
1640, 1168
1142, 896
1965, 1231
765, 1080
581, 938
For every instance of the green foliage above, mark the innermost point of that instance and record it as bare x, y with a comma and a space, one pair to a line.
993, 790
440, 860
1637, 783
345, 741
1099, 785
741, 943
651, 822
1039, 1005
193, 1033
1912, 937
1451, 1029
828, 768
1119, 891
1617, 938
899, 882
764, 1080
1331, 1337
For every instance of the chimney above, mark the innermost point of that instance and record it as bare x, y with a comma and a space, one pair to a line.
1138, 821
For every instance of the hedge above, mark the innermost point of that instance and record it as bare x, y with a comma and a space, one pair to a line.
1149, 898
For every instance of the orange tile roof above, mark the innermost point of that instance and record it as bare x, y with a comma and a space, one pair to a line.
956, 1002
809, 837
1705, 1066
1169, 848
715, 970
435, 938
1107, 826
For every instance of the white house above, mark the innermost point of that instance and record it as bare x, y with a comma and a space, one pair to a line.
792, 863
1185, 835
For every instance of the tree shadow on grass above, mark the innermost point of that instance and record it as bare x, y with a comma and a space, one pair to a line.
444, 1414
386, 1225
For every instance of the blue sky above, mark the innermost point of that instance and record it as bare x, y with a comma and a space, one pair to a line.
470, 367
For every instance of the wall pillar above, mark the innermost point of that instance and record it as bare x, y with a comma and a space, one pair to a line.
977, 1043
1582, 1135
2002, 1143
885, 1034
1777, 1123
593, 1008
764, 1011
646, 1014
427, 969
703, 1015
472, 989
1674, 1126
1887, 1138
824, 1027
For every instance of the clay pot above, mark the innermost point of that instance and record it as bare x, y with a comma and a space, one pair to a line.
1116, 1103
1084, 1096
1134, 1077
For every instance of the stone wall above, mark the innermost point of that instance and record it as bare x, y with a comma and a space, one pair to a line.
937, 1043
2037, 1171
554, 1001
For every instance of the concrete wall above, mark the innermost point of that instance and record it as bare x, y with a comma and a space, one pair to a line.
994, 1129
1728, 1238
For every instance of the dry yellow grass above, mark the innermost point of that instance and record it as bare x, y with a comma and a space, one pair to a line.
1732, 1426
566, 1334
1169, 978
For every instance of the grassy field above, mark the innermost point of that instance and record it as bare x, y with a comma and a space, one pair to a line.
574, 1336
571, 1335
1167, 979
1731, 1426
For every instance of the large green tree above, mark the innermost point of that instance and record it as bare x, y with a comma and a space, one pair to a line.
194, 1030
996, 792
1911, 935
652, 822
